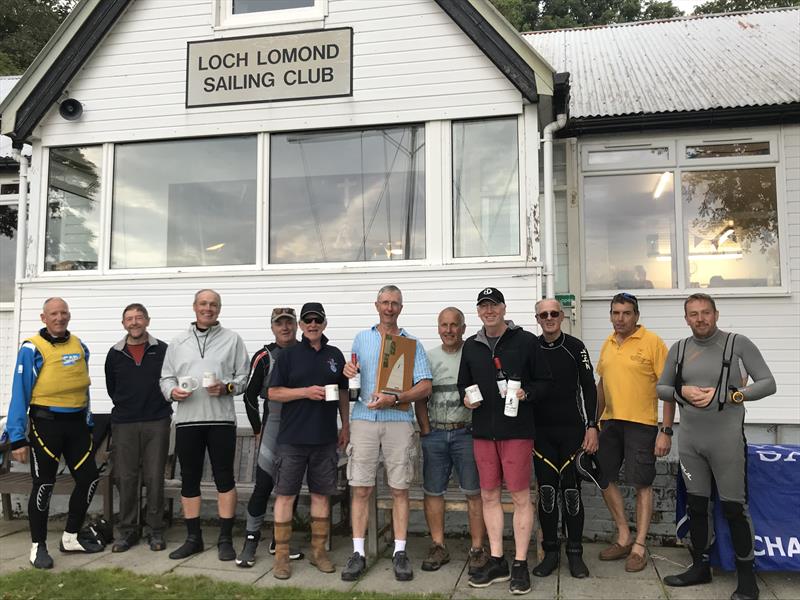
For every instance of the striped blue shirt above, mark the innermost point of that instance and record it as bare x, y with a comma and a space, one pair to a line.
367, 346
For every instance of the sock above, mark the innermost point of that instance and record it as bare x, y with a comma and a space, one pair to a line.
193, 526
226, 527
520, 563
498, 558
358, 546
399, 546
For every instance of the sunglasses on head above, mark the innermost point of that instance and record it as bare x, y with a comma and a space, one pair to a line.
309, 320
553, 314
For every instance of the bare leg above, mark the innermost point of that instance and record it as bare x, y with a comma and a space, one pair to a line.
284, 506
226, 504
523, 523
191, 507
616, 507
320, 506
434, 515
644, 512
477, 530
400, 513
359, 510
493, 518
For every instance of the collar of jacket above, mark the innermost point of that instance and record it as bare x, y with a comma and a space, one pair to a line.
120, 345
483, 339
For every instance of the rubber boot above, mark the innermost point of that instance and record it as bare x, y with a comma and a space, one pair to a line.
746, 588
552, 552
698, 573
320, 527
577, 568
282, 569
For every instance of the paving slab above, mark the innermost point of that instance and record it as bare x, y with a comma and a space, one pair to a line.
13, 526
541, 587
139, 559
600, 587
14, 545
784, 585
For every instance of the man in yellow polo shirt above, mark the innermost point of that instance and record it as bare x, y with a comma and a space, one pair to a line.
631, 361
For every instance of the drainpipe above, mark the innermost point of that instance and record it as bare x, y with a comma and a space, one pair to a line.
22, 213
549, 206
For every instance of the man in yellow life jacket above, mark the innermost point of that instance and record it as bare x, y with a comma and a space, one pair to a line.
49, 412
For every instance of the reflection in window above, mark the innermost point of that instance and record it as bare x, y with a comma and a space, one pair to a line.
345, 196
731, 219
728, 150
628, 222
8, 251
485, 188
251, 6
184, 203
73, 209
627, 157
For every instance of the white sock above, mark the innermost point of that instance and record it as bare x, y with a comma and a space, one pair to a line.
358, 546
34, 548
399, 546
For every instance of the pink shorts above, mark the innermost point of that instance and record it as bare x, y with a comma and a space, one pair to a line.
508, 460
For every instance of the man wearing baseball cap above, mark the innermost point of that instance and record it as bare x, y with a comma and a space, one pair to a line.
305, 377
284, 327
503, 444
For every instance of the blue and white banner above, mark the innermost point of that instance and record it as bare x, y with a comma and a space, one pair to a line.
773, 482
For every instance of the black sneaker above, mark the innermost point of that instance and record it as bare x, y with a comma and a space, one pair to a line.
125, 542
402, 566
192, 545
495, 570
698, 573
247, 557
294, 553
577, 568
355, 567
520, 578
40, 558
225, 551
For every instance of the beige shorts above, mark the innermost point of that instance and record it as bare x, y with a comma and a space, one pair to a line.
371, 439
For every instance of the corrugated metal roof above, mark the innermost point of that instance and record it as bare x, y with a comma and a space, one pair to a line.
685, 64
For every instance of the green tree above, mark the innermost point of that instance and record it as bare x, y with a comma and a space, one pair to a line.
25, 27
722, 6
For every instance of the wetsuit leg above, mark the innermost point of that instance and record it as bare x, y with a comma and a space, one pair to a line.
46, 444
571, 485
696, 473
545, 461
257, 506
79, 455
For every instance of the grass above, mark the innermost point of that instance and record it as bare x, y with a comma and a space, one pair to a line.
30, 584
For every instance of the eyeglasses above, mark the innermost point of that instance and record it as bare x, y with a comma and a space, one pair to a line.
553, 314
309, 320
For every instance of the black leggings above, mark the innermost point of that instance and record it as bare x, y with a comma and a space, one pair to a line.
191, 443
558, 479
53, 435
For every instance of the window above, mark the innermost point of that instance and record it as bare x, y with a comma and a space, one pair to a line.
486, 207
259, 13
184, 203
9, 189
719, 228
347, 196
73, 209
8, 251
251, 6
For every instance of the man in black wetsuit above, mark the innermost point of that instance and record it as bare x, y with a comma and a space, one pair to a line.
565, 424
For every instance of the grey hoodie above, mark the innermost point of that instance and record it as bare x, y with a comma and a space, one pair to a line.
195, 352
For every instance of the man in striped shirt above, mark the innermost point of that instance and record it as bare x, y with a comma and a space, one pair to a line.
382, 422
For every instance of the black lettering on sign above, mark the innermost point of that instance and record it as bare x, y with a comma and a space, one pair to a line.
229, 61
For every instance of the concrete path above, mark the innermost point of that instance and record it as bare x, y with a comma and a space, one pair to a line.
608, 580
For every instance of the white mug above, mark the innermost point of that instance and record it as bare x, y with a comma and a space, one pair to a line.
209, 379
331, 392
188, 383
512, 402
474, 396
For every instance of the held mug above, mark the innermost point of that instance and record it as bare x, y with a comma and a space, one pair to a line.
474, 396
209, 379
512, 402
188, 383
331, 392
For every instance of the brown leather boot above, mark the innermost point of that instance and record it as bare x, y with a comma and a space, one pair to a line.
320, 526
281, 569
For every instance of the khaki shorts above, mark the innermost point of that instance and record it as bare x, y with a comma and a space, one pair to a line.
371, 439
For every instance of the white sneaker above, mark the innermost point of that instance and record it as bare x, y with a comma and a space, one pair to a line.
40, 558
70, 542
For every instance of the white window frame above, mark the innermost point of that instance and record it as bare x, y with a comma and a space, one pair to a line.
9, 200
677, 164
622, 145
310, 17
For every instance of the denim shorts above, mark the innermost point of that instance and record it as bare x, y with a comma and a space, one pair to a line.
441, 451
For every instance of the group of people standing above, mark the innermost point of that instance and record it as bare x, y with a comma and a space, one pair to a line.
495, 407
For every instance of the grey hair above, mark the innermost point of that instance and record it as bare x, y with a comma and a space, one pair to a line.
53, 299
390, 288
560, 306
460, 314
215, 292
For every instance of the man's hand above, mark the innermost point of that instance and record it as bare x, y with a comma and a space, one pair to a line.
217, 388
698, 396
663, 444
381, 401
590, 440
350, 369
467, 404
20, 454
315, 392
344, 436
178, 394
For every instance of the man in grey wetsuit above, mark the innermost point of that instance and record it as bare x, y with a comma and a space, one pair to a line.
283, 323
707, 376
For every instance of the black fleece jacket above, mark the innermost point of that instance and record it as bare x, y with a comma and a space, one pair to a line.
521, 356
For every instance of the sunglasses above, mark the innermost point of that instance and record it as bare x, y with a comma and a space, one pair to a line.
553, 314
309, 320
623, 297
283, 311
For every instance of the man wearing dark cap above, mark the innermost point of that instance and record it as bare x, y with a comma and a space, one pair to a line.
502, 352
283, 322
307, 438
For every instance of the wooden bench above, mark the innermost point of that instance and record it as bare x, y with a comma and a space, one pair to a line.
19, 482
244, 470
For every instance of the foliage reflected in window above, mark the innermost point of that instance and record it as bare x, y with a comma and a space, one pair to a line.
727, 150
346, 196
486, 188
184, 203
731, 219
73, 209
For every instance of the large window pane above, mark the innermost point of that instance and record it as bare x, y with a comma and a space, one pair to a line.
628, 223
8, 251
73, 209
184, 203
731, 219
346, 196
485, 188
251, 6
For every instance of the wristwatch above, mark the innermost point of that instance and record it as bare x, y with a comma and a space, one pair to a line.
229, 388
591, 425
667, 431
396, 399
737, 396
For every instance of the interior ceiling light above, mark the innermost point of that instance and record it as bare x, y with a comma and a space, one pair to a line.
665, 178
216, 247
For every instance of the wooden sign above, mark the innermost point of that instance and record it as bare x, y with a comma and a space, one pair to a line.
396, 364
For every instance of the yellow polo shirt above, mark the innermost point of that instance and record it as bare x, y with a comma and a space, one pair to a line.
630, 372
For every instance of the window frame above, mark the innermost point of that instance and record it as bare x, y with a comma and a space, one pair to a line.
678, 164
310, 17
9, 200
